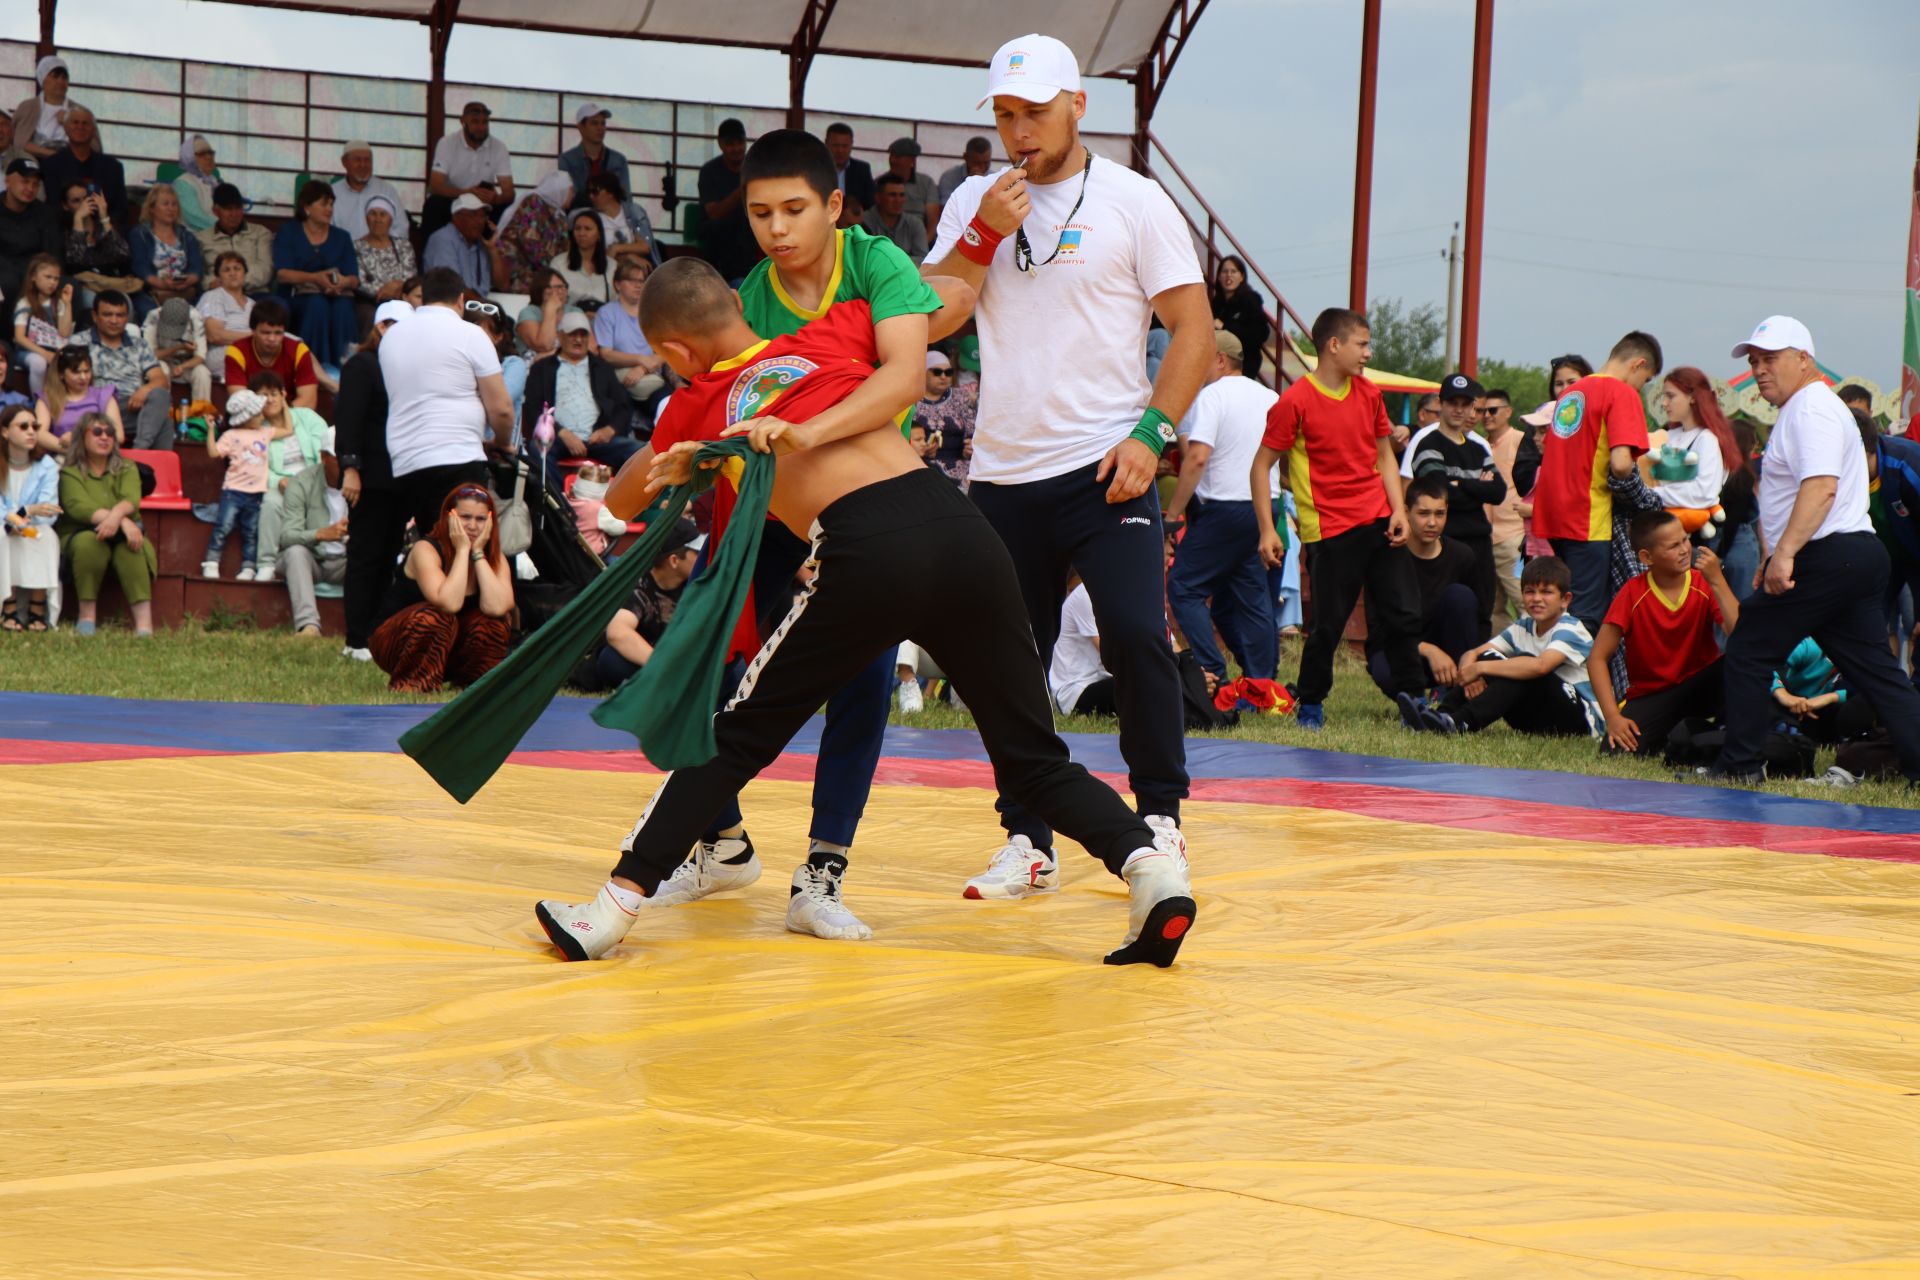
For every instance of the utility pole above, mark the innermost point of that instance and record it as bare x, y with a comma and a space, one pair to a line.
1453, 293
1476, 189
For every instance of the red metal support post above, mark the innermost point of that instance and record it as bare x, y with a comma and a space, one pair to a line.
800, 55
1363, 156
47, 10
1476, 190
1150, 77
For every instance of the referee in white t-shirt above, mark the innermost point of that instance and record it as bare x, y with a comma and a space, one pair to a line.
1071, 255
1825, 570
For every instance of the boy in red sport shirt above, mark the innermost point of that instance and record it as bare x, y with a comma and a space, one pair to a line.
1331, 428
1668, 615
877, 515
1599, 427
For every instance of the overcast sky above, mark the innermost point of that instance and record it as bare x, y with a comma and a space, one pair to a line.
1686, 166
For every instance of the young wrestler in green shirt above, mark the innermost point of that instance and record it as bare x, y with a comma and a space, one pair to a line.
793, 203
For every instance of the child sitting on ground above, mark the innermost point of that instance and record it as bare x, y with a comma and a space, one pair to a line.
244, 445
1668, 615
1508, 677
588, 498
1810, 691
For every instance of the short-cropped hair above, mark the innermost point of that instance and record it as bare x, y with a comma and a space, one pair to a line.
791, 153
271, 311
1336, 322
1639, 345
685, 298
1431, 485
1648, 525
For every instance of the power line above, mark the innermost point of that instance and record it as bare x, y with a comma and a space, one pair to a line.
1710, 284
1669, 248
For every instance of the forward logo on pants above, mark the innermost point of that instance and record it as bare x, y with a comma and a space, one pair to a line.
1127, 520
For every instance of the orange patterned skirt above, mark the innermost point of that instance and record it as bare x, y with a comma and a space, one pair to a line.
422, 648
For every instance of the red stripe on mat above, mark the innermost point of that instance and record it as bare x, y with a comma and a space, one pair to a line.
35, 751
1396, 804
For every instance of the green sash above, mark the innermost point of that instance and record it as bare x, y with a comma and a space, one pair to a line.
669, 705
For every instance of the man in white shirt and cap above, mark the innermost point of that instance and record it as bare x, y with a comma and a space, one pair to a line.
1823, 571
1071, 256
356, 185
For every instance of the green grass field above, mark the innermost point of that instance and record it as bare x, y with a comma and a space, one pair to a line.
239, 664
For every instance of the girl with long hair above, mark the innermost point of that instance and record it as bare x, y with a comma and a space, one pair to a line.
1241, 311
449, 608
70, 395
584, 264
42, 318
1695, 425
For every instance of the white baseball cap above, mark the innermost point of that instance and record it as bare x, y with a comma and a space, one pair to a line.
588, 110
392, 309
574, 322
1777, 333
1035, 67
468, 201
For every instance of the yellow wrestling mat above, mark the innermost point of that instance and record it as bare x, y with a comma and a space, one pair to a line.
290, 1016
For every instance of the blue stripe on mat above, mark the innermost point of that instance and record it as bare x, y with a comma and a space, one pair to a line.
252, 727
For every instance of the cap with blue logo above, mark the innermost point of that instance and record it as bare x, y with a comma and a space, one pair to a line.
1777, 333
1035, 67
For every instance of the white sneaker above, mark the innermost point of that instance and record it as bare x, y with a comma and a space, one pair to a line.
1167, 830
1162, 910
209, 568
358, 655
1017, 871
1835, 776
912, 700
245, 575
587, 931
814, 905
264, 575
709, 869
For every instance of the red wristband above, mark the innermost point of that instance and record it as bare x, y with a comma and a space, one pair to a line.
978, 242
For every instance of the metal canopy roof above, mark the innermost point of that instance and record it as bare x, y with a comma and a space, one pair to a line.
1111, 37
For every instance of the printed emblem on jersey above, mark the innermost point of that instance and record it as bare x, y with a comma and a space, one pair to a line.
1569, 414
763, 382
1070, 242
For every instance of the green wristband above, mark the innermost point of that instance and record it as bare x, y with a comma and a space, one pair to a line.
1155, 431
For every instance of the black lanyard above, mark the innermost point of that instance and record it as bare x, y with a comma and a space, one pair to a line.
1023, 252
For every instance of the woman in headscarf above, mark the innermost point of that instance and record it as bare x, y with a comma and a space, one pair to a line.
40, 123
386, 259
533, 230
198, 177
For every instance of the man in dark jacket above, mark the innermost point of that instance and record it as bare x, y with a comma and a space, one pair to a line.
27, 227
377, 513
592, 412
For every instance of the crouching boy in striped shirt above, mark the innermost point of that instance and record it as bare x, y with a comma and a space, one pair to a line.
1533, 675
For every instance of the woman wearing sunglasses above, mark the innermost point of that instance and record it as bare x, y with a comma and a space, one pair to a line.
99, 525
448, 610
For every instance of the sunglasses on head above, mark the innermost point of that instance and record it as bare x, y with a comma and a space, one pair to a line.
484, 308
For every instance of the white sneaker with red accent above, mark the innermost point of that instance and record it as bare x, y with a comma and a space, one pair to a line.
1163, 908
1166, 833
1018, 871
587, 931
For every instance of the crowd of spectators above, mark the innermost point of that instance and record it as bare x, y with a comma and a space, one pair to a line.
1563, 569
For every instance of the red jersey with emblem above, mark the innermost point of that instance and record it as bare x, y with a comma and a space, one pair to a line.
1332, 448
1669, 640
792, 378
1592, 417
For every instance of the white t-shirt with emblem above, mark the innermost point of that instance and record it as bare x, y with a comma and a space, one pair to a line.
1063, 348
1229, 416
1815, 435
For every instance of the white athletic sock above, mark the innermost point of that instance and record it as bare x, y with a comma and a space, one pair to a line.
731, 833
828, 846
629, 900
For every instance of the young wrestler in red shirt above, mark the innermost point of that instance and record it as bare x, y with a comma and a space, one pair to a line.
876, 514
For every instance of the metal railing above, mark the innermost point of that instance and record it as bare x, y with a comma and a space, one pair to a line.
1209, 230
271, 125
